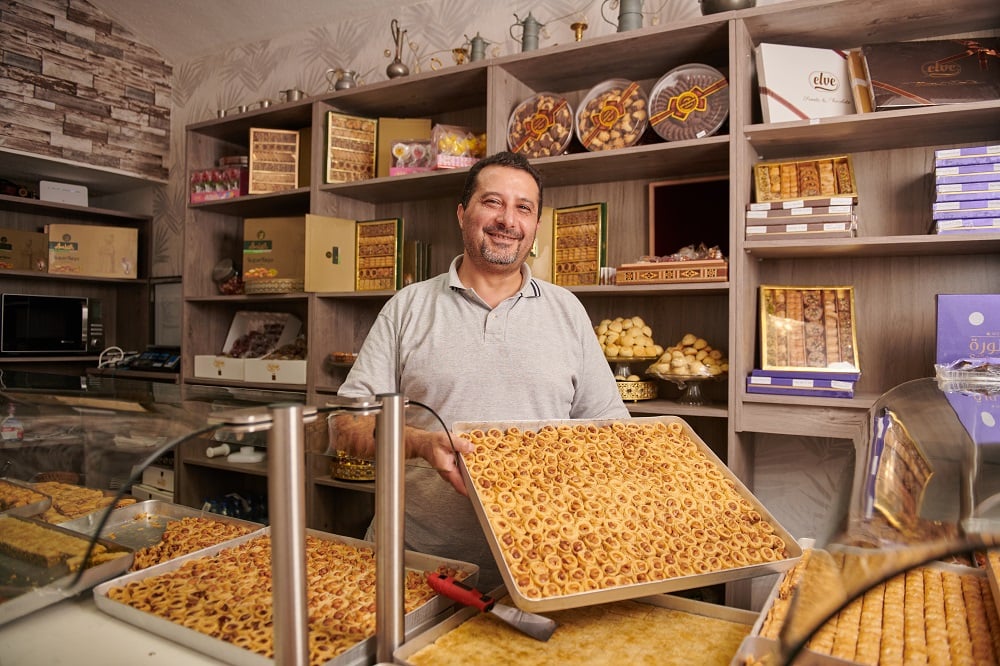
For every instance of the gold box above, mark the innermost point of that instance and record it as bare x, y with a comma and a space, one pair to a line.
93, 250
579, 240
274, 160
668, 272
823, 177
348, 255
808, 329
379, 255
350, 147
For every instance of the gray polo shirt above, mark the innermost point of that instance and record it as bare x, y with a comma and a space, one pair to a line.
534, 356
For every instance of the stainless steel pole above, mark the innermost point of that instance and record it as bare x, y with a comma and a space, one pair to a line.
287, 510
390, 460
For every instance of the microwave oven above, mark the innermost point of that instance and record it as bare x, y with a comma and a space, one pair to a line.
38, 325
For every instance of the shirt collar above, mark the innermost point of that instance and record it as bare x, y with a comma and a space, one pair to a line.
529, 286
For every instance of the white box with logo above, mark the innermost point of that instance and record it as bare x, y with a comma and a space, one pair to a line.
801, 83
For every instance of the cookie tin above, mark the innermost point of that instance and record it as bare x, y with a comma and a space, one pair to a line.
689, 102
614, 114
541, 126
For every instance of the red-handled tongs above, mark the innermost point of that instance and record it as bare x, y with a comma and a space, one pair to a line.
533, 625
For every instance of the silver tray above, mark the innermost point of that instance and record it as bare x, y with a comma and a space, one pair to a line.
142, 524
32, 509
361, 654
403, 653
39, 586
636, 590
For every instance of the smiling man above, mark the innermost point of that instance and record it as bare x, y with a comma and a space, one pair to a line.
484, 342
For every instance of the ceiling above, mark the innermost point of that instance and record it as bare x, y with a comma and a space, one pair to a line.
183, 29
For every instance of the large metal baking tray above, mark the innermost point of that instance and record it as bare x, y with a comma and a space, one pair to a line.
142, 524
361, 654
757, 649
403, 653
638, 589
32, 509
26, 587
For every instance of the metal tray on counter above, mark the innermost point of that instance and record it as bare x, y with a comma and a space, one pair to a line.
32, 509
361, 654
634, 590
142, 524
403, 653
26, 587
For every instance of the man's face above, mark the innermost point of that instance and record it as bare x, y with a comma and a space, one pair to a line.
499, 225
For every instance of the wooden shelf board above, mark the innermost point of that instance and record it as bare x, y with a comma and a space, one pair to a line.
883, 246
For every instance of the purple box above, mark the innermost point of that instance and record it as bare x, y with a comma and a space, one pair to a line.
968, 151
763, 378
967, 173
979, 414
969, 191
823, 375
968, 328
924, 73
955, 210
794, 390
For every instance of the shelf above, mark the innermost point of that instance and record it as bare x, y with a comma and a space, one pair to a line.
38, 207
696, 288
669, 407
290, 202
235, 128
99, 181
39, 275
360, 486
201, 460
246, 386
248, 298
881, 130
394, 189
418, 94
887, 246
841, 418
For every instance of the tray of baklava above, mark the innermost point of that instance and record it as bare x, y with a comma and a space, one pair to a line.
218, 600
939, 612
18, 498
580, 512
41, 564
159, 531
666, 630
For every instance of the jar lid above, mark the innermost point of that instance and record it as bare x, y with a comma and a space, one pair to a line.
689, 102
223, 270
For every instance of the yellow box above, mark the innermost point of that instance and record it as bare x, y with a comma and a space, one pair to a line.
580, 235
23, 250
819, 178
397, 129
273, 248
93, 251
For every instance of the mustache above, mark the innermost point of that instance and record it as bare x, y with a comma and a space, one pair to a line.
504, 232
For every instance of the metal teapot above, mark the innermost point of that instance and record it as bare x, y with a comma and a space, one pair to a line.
529, 32
342, 79
629, 14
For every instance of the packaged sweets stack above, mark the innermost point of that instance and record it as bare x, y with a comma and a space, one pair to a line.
967, 190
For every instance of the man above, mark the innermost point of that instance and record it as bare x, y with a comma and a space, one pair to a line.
483, 342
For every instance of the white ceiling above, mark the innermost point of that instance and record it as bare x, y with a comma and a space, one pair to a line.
182, 29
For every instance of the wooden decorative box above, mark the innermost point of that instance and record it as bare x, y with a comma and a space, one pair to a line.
579, 235
666, 272
274, 160
805, 179
351, 147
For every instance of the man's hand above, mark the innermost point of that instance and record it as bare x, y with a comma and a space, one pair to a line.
436, 449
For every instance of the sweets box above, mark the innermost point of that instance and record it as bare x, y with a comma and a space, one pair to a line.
987, 189
351, 255
809, 329
273, 248
968, 328
274, 160
800, 82
971, 160
951, 210
803, 229
351, 147
836, 389
219, 183
805, 179
579, 244
971, 225
23, 250
93, 250
922, 73
665, 272
278, 329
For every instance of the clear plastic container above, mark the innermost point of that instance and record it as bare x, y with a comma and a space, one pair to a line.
689, 102
541, 126
614, 114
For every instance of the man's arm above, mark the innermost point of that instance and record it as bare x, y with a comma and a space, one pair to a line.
355, 436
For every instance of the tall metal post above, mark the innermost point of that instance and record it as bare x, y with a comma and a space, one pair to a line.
390, 460
287, 510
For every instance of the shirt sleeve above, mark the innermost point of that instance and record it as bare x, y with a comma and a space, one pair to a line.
597, 395
376, 369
